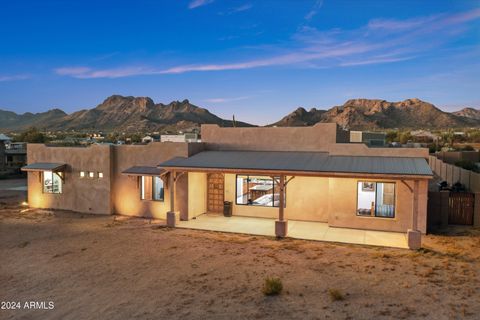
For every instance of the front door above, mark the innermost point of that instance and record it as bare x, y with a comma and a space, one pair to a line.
215, 182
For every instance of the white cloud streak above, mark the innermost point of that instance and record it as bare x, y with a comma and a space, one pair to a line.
198, 3
313, 12
16, 77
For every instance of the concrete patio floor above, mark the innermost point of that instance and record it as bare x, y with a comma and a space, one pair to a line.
296, 229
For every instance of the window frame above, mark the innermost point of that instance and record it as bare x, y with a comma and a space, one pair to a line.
375, 213
273, 192
58, 174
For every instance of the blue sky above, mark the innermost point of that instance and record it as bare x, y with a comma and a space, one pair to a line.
258, 60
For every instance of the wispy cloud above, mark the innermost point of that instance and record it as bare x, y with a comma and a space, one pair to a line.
241, 8
198, 3
377, 42
225, 100
89, 73
313, 12
5, 78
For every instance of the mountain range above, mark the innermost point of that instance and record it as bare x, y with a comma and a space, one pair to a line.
135, 114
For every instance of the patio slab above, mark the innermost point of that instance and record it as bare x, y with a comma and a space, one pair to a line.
304, 230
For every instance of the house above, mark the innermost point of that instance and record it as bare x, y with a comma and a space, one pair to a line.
186, 137
377, 139
16, 155
273, 175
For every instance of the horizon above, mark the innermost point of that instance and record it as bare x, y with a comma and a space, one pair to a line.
258, 60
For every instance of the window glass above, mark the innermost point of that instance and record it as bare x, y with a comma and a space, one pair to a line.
257, 191
376, 199
52, 182
158, 191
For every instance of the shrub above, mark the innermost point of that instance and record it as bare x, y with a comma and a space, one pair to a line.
272, 286
336, 295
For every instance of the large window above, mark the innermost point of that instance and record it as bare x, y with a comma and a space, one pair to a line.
151, 188
158, 192
52, 182
376, 199
257, 191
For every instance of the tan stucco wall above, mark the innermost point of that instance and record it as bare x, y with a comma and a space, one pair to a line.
320, 137
333, 200
316, 138
126, 199
79, 194
197, 190
343, 202
115, 192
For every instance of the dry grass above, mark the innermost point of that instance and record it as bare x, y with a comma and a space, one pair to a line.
272, 286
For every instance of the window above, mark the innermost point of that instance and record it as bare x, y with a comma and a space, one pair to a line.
376, 199
158, 192
151, 188
91, 174
82, 174
52, 182
100, 175
257, 191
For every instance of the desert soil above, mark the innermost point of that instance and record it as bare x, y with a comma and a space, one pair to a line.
98, 267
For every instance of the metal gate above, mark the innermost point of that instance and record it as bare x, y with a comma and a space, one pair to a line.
460, 208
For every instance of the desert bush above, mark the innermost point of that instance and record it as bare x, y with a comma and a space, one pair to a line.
272, 286
336, 295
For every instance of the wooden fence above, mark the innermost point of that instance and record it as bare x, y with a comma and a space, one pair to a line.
453, 174
447, 207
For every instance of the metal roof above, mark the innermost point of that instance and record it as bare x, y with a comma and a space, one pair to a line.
44, 166
4, 137
143, 171
302, 161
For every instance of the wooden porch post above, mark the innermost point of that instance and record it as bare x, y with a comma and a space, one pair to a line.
414, 237
415, 205
281, 223
171, 215
281, 215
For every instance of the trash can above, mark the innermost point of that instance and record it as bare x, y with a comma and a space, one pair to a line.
227, 208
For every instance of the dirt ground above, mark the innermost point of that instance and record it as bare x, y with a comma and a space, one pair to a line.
98, 267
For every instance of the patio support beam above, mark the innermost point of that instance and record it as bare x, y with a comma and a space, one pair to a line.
171, 215
414, 237
281, 223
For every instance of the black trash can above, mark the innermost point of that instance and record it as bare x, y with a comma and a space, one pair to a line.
227, 208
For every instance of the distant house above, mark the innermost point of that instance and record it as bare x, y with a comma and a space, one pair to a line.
3, 142
373, 139
150, 138
424, 136
186, 137
15, 155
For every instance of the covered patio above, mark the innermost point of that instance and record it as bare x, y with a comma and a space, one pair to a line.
321, 188
304, 230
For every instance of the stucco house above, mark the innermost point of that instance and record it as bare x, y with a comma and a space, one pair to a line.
310, 174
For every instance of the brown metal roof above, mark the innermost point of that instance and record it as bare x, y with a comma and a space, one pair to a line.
143, 171
44, 166
314, 162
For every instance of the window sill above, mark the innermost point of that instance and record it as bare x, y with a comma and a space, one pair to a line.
375, 217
